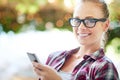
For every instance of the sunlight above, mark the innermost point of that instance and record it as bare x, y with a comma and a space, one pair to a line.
68, 4
108, 1
51, 1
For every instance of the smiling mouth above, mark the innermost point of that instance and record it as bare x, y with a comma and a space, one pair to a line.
84, 34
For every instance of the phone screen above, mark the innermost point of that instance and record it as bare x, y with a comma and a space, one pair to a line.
33, 57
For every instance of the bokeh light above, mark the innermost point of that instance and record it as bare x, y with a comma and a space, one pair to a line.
59, 23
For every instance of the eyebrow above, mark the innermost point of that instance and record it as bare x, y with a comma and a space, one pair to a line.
88, 17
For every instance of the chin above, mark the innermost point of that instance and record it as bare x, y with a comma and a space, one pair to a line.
82, 43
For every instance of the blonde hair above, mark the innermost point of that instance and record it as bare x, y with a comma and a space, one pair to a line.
99, 3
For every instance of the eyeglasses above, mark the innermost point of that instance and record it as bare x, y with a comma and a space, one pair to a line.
89, 23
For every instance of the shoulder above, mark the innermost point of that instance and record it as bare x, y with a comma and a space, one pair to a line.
55, 55
105, 67
103, 62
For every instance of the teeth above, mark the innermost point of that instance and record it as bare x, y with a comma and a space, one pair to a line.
83, 35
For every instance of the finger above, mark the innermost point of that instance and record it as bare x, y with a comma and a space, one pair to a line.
38, 72
38, 66
41, 74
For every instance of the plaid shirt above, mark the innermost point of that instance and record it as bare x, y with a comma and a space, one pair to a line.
93, 67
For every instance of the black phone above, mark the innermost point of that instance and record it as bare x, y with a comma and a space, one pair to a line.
33, 57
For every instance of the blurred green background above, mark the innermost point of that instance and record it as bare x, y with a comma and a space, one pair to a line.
19, 16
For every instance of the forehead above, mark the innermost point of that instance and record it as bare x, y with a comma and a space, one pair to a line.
87, 9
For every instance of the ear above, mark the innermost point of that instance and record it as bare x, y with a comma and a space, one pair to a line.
106, 26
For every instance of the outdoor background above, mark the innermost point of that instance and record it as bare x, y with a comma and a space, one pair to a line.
41, 27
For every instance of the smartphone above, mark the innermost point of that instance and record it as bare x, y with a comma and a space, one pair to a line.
33, 57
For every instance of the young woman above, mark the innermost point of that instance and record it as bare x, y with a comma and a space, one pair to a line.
88, 62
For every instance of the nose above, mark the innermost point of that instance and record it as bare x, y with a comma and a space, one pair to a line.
81, 26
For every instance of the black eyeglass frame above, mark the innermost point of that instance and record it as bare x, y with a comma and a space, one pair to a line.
83, 20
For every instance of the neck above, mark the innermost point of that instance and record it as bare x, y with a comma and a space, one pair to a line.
87, 50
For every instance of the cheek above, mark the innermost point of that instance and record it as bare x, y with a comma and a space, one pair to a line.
97, 33
99, 28
75, 31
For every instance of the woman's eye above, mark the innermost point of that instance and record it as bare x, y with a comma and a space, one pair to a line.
92, 21
75, 21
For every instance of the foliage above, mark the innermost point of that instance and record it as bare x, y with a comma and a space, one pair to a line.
114, 9
114, 39
55, 15
115, 44
8, 19
114, 33
39, 11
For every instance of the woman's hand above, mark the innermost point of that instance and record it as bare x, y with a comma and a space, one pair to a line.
45, 72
